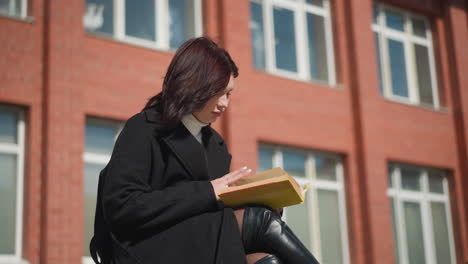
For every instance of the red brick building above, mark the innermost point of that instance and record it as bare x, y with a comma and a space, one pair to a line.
368, 100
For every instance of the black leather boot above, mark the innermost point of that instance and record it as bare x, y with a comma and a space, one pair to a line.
270, 259
264, 231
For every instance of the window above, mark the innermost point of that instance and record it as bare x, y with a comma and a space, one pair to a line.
293, 38
405, 57
422, 224
163, 24
12, 127
15, 8
320, 222
100, 136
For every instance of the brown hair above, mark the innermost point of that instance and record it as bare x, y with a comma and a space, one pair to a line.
199, 70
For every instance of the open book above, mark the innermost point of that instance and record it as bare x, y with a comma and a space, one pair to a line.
273, 188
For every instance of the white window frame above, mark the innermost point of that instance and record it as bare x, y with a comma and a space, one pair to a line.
300, 8
98, 159
23, 12
161, 25
408, 39
315, 185
18, 150
424, 198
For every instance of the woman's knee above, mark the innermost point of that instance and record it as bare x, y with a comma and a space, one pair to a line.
269, 259
264, 231
255, 222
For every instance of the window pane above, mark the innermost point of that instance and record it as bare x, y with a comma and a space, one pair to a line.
8, 163
419, 27
182, 21
390, 177
330, 229
326, 168
410, 179
315, 2
317, 47
394, 20
8, 127
99, 16
394, 229
18, 6
414, 235
4, 6
436, 182
379, 62
441, 237
294, 163
91, 178
257, 35
100, 138
423, 74
375, 12
285, 40
265, 160
10, 7
398, 68
140, 19
299, 222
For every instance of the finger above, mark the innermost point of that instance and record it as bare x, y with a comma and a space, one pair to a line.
234, 176
239, 176
244, 168
236, 172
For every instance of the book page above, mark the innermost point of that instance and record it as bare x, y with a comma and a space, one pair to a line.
269, 174
305, 187
259, 183
272, 187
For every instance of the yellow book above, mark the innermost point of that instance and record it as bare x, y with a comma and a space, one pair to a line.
273, 188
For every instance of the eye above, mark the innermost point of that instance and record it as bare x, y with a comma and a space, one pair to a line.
228, 94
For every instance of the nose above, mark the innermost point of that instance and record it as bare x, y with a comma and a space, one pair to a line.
223, 102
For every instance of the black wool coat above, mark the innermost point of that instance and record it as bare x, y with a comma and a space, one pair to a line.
156, 203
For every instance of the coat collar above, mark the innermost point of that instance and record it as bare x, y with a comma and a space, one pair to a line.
203, 162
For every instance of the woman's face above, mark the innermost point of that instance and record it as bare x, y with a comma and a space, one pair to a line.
215, 107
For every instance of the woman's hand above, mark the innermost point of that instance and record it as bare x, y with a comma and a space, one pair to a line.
220, 184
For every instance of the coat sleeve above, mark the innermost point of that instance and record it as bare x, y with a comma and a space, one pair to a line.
129, 202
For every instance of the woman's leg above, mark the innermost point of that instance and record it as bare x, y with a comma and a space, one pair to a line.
262, 258
254, 257
263, 231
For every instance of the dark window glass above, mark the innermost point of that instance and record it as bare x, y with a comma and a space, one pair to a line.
257, 35
140, 19
285, 39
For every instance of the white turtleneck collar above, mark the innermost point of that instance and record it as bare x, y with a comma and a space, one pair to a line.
194, 126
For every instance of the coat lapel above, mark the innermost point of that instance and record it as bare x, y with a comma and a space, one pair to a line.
208, 161
188, 150
218, 158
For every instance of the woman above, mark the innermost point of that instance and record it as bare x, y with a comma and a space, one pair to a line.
158, 195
